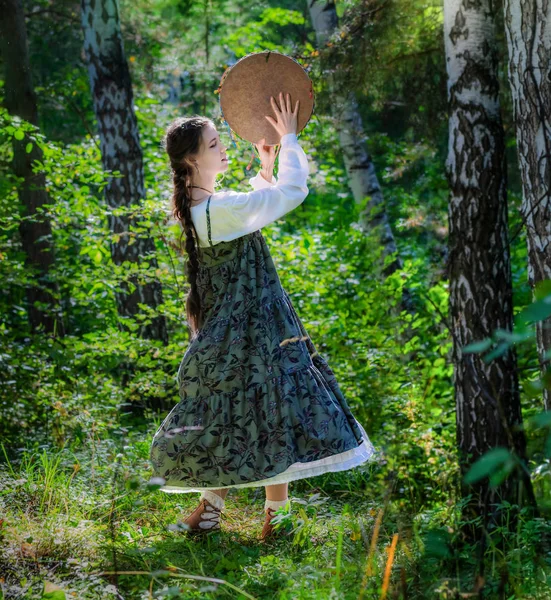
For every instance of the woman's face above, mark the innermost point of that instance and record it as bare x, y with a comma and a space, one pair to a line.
212, 157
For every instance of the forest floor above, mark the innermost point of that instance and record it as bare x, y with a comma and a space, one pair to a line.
71, 519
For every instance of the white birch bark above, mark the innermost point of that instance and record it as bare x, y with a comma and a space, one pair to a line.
528, 32
486, 394
120, 148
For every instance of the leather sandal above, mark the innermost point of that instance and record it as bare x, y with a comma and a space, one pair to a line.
269, 531
203, 519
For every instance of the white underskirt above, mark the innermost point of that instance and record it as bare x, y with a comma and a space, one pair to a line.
300, 470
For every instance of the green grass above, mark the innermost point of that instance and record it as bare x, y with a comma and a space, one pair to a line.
75, 518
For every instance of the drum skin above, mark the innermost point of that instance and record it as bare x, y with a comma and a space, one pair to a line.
246, 87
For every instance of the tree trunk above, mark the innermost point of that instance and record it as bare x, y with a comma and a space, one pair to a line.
35, 227
359, 165
528, 31
486, 394
120, 148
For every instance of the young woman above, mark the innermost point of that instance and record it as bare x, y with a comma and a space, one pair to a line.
259, 406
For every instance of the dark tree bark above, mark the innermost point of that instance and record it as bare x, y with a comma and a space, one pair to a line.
527, 27
111, 89
486, 394
43, 306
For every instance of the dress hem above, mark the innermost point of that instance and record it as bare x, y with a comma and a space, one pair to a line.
342, 461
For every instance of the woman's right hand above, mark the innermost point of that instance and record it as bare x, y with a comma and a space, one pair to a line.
287, 120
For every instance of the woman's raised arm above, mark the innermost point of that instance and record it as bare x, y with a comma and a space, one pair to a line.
245, 212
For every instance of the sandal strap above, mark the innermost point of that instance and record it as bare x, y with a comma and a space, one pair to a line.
208, 507
207, 513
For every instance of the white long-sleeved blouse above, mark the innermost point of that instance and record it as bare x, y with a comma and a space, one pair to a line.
234, 214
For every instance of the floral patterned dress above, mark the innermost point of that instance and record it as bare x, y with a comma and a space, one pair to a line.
258, 404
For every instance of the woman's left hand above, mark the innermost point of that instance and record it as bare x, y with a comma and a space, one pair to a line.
267, 154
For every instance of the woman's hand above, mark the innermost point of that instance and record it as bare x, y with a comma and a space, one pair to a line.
286, 117
267, 154
286, 123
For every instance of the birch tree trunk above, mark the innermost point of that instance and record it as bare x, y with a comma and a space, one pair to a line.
35, 228
359, 165
528, 32
486, 395
120, 148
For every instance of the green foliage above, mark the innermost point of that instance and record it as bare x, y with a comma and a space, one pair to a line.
496, 464
78, 412
264, 32
299, 523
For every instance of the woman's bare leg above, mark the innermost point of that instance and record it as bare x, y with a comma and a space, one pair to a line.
277, 492
276, 498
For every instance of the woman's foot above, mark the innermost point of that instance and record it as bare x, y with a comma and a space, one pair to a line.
204, 518
268, 531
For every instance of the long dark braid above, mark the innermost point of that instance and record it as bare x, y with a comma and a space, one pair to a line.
183, 137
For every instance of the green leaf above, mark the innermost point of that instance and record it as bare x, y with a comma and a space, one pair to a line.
537, 311
436, 543
541, 420
519, 335
479, 346
496, 352
487, 464
52, 592
533, 388
19, 134
54, 595
502, 472
29, 147
542, 289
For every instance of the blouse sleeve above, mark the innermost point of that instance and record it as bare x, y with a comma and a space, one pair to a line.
258, 182
249, 211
